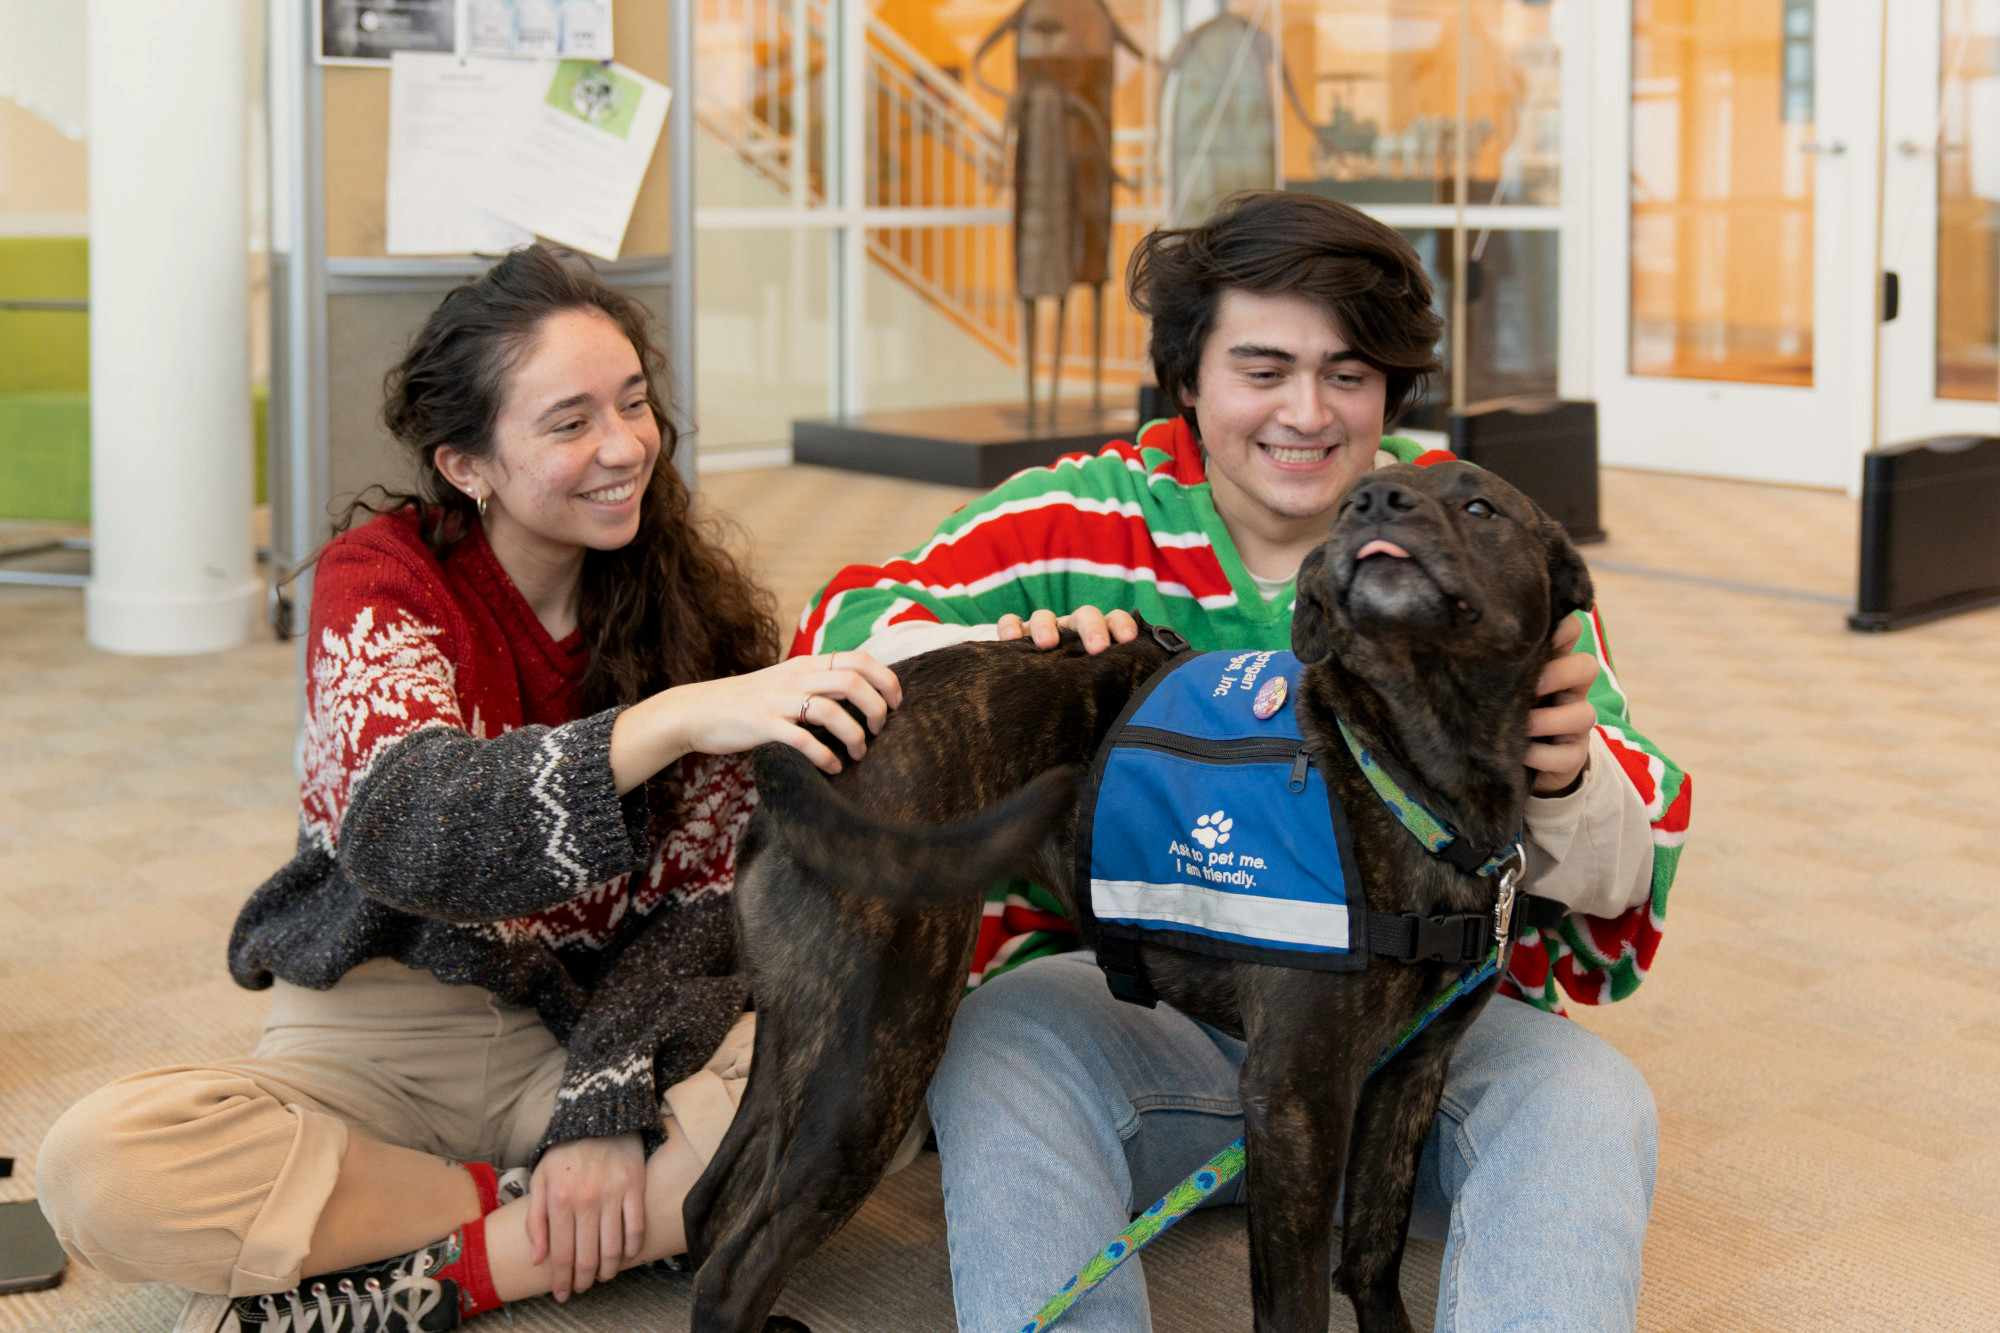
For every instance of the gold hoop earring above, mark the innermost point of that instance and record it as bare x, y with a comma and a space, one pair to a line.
481, 506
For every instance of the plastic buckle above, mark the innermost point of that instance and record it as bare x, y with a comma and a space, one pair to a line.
1447, 939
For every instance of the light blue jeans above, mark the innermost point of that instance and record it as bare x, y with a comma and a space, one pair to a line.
1060, 1111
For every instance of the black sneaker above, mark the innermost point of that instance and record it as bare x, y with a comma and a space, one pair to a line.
394, 1296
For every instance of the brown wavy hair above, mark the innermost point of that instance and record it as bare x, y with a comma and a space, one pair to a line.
1362, 272
670, 607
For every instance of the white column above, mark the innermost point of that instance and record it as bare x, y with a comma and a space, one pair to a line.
170, 470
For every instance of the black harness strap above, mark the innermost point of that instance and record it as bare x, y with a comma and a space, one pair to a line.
1124, 970
1460, 938
1410, 938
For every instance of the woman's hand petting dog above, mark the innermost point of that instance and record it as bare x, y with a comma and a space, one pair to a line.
587, 1211
1559, 729
1097, 630
739, 713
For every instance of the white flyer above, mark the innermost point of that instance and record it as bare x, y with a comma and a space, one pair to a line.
571, 170
450, 120
539, 29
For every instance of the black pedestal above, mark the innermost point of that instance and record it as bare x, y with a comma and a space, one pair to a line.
978, 445
1930, 531
1546, 447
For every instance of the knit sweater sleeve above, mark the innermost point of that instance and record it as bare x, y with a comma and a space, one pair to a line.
656, 1018
417, 812
1055, 537
673, 989
1598, 959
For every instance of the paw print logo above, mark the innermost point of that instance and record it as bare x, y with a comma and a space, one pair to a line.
1212, 830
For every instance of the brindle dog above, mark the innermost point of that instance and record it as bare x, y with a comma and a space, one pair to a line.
1423, 619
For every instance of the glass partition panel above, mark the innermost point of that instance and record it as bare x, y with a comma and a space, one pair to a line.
764, 333
942, 324
1383, 77
943, 321
766, 150
767, 100
1723, 175
1511, 309
1379, 80
1968, 239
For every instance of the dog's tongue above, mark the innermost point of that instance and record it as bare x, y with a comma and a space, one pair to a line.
1380, 547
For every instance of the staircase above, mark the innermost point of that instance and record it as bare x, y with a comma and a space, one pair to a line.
936, 165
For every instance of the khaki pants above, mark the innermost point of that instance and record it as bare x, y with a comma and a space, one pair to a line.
213, 1178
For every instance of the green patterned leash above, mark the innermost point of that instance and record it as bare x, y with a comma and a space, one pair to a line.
1147, 1227
1219, 1170
1437, 836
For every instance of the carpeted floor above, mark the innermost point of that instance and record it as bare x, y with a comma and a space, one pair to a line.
1821, 1031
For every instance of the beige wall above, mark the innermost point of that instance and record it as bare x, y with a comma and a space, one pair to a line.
44, 175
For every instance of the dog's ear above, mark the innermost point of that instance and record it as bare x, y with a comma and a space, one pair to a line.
1312, 618
1570, 588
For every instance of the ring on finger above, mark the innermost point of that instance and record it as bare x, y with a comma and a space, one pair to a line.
805, 702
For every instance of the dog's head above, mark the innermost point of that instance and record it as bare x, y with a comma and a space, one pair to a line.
1445, 560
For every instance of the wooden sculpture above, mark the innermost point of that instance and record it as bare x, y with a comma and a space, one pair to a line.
1059, 119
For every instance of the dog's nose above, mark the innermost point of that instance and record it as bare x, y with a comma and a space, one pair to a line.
1382, 499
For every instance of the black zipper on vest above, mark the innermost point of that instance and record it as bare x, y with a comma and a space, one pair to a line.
1248, 750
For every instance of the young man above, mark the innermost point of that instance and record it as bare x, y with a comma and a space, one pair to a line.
1292, 330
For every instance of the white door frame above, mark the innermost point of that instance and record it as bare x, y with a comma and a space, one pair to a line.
1811, 436
1910, 407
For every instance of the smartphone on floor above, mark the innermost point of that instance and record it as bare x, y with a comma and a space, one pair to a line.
30, 1258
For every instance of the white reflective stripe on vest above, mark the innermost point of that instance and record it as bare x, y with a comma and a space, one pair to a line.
1277, 920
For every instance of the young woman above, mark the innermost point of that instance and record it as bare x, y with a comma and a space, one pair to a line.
526, 686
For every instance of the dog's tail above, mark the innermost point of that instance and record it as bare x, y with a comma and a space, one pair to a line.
839, 841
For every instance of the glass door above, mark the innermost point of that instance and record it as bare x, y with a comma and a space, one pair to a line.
1737, 139
1941, 234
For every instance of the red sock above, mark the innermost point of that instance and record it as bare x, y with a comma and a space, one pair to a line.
475, 1280
487, 1181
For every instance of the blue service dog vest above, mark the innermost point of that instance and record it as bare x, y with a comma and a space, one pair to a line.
1213, 830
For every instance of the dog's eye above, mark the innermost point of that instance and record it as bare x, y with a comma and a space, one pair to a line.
1479, 509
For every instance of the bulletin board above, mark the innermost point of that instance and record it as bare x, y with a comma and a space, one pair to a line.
357, 145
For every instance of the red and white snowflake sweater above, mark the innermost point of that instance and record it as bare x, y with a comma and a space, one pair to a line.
458, 816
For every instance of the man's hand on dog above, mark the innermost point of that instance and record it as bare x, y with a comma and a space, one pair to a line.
587, 1211
1097, 630
1559, 728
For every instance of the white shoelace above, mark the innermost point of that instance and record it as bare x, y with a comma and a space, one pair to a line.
313, 1308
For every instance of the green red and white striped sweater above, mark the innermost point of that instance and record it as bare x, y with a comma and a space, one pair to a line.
1135, 526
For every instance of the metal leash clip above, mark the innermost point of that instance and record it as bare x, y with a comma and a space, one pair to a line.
1503, 907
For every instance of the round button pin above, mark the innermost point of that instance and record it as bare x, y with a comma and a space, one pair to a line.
1270, 698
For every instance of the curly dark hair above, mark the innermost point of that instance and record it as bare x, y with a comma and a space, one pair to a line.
670, 607
1272, 242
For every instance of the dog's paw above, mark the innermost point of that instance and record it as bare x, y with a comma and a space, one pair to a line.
1212, 830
